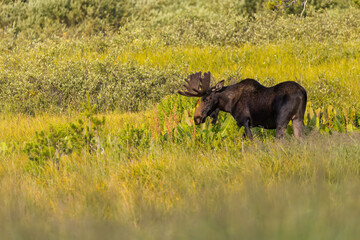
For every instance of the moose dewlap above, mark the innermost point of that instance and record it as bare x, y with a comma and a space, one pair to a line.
250, 103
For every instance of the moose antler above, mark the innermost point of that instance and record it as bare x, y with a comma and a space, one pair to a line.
197, 86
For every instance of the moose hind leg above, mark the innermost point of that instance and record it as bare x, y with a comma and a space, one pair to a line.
285, 114
281, 124
298, 126
248, 132
280, 131
298, 119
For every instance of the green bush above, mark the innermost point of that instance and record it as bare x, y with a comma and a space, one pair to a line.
88, 17
47, 65
112, 86
83, 14
356, 3
63, 140
238, 30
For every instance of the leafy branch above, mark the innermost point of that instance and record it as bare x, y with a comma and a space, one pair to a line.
64, 140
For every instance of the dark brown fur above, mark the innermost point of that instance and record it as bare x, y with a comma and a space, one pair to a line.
253, 105
250, 103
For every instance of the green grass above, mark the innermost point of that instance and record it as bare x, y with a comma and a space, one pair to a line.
263, 189
153, 181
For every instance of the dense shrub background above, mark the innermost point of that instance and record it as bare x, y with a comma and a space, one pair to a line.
53, 52
54, 88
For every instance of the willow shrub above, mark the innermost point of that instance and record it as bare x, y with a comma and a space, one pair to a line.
113, 87
146, 59
55, 76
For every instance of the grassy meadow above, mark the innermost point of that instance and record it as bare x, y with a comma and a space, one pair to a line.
95, 142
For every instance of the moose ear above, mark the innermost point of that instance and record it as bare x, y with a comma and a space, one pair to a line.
218, 86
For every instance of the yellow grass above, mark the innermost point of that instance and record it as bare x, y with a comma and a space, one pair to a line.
170, 184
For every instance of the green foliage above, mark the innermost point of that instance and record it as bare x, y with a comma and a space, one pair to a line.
63, 140
272, 6
51, 78
172, 123
193, 193
49, 146
175, 120
314, 6
89, 16
356, 3
52, 87
133, 141
3, 148
201, 19
135, 66
236, 29
251, 7
328, 119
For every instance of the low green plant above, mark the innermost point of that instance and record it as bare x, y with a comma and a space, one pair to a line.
3, 148
175, 123
133, 141
328, 119
356, 3
66, 139
49, 146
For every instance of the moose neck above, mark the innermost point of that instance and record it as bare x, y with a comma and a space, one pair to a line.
225, 101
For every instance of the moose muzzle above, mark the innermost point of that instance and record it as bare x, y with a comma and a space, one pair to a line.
198, 120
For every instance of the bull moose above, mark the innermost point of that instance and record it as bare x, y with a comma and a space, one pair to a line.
250, 103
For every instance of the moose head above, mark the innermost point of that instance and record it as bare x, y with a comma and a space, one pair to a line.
198, 86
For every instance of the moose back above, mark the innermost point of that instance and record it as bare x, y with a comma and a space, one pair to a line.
250, 103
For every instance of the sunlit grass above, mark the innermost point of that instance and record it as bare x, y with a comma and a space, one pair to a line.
269, 189
19, 127
329, 72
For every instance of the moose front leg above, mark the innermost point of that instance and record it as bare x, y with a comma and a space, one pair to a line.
247, 129
246, 125
214, 115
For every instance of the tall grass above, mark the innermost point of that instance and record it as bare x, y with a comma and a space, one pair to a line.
265, 189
